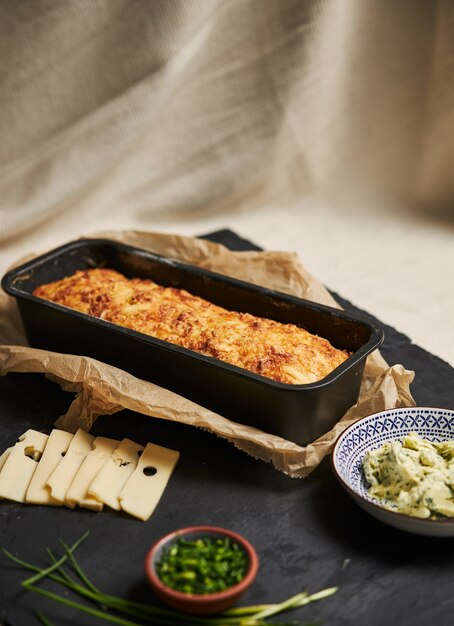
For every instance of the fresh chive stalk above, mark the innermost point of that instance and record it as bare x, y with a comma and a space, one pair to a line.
43, 619
107, 607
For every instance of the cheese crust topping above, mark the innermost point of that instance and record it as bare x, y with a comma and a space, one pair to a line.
283, 352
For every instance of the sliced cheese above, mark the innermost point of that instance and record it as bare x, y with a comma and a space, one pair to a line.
63, 475
57, 445
94, 461
115, 472
4, 456
21, 464
143, 490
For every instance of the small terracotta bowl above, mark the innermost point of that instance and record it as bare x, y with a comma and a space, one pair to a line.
198, 603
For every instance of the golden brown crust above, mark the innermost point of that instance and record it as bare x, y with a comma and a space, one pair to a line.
283, 352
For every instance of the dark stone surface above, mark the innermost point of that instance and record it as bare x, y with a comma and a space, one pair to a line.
308, 533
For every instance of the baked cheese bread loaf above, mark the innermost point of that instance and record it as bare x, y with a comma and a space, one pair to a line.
283, 352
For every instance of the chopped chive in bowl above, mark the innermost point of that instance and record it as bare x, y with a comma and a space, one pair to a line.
203, 565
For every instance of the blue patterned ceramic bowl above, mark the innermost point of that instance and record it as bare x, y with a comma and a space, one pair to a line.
372, 432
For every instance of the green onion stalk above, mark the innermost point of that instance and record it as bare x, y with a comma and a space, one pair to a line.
129, 613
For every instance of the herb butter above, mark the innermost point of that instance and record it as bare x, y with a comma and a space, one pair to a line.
414, 476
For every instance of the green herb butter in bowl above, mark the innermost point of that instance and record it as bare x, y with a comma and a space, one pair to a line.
201, 569
398, 465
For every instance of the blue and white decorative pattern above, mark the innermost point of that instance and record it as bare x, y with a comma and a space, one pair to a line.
373, 431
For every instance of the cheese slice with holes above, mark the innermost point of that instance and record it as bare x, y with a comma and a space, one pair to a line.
143, 490
63, 475
115, 472
92, 464
21, 464
57, 445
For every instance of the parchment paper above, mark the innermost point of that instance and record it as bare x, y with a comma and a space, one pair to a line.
103, 389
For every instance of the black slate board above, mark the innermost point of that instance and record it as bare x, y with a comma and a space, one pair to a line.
308, 533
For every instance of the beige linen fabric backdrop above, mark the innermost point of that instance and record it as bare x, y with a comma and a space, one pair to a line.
145, 106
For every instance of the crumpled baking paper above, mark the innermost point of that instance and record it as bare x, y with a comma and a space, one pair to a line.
102, 389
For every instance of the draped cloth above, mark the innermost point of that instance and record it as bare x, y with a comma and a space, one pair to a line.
144, 106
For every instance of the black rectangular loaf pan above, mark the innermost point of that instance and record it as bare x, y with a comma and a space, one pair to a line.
300, 413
